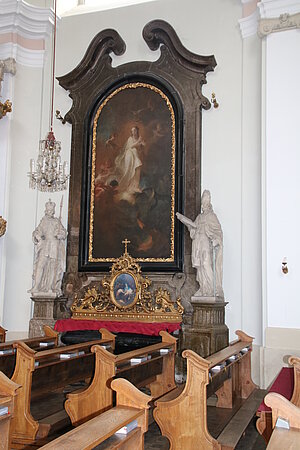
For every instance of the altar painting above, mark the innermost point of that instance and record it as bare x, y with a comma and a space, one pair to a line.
133, 175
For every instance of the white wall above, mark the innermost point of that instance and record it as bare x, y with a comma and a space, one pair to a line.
282, 178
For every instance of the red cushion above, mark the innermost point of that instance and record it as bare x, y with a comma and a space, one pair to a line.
283, 384
151, 329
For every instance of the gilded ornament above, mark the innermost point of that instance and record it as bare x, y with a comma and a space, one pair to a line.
5, 108
125, 295
2, 226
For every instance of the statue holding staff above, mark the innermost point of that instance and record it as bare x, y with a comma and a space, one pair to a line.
207, 248
49, 239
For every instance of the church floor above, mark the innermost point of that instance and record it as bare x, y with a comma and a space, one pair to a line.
250, 441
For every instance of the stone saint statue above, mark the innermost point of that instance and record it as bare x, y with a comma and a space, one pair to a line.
49, 261
207, 248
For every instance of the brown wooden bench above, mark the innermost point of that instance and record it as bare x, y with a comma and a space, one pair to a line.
2, 334
46, 371
287, 383
131, 405
157, 372
182, 415
8, 391
283, 439
7, 351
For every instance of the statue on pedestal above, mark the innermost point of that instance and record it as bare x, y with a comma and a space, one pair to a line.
49, 261
207, 249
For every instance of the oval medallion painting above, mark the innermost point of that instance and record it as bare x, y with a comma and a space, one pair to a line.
124, 290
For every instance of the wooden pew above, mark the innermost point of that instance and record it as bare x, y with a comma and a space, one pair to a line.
182, 415
284, 439
287, 383
8, 391
7, 351
45, 371
131, 404
157, 373
2, 334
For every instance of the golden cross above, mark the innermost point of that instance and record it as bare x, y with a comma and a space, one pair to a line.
126, 242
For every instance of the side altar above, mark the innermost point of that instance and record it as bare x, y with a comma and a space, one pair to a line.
124, 304
149, 113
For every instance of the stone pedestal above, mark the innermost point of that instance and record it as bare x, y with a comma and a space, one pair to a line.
207, 332
47, 310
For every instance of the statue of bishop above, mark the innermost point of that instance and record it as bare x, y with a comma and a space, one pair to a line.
207, 249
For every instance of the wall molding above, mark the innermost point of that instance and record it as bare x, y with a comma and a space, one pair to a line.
26, 29
271, 9
23, 56
283, 23
28, 21
248, 25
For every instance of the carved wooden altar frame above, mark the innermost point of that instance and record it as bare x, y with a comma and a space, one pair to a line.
179, 72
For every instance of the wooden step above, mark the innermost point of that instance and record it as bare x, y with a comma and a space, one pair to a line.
233, 432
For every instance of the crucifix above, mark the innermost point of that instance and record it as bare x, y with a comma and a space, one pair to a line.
125, 242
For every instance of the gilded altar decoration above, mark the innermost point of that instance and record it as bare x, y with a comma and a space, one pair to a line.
2, 226
125, 295
5, 108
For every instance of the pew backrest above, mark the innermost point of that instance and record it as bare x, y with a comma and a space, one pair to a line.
2, 334
47, 371
154, 367
182, 418
8, 391
8, 353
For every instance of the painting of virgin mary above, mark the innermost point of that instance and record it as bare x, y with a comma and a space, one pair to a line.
133, 175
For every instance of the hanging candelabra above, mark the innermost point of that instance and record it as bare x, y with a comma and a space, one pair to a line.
48, 173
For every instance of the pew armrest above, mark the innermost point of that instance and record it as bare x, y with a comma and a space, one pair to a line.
281, 407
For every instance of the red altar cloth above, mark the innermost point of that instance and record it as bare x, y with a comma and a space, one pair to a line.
151, 329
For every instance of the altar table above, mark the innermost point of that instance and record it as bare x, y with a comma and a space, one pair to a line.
150, 329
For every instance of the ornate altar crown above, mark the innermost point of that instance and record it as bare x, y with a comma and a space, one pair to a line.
124, 295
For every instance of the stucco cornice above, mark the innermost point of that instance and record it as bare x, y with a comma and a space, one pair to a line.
282, 23
28, 21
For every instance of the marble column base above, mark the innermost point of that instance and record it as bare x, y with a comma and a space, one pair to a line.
47, 310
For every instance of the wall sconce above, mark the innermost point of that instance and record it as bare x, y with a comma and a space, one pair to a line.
214, 100
284, 266
60, 117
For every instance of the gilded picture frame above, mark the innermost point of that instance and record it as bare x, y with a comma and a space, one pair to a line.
134, 157
125, 289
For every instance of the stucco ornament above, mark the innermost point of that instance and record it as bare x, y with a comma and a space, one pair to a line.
49, 259
207, 249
